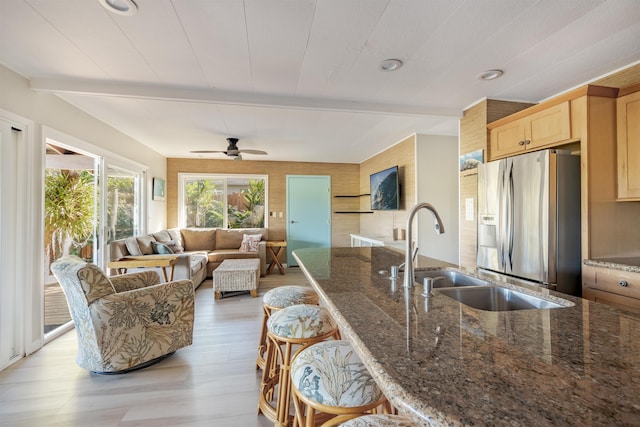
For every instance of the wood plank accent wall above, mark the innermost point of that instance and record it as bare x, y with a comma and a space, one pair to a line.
610, 229
382, 223
474, 136
345, 179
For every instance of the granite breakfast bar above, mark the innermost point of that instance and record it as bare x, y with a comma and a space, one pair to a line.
444, 363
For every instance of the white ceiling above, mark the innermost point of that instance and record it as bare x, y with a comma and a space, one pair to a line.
299, 78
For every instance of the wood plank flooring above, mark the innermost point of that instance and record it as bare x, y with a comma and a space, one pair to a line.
210, 383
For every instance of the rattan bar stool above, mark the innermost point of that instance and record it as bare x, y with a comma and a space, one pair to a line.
277, 299
331, 385
289, 331
380, 420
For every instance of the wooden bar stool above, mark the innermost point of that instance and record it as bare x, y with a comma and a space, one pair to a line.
331, 385
380, 420
277, 299
300, 326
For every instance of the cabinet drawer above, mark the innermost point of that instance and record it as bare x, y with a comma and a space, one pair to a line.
623, 283
614, 300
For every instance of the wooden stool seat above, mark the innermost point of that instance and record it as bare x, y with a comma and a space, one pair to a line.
380, 420
300, 326
331, 385
277, 299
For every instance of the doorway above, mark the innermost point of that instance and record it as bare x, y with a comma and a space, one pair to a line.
308, 213
88, 203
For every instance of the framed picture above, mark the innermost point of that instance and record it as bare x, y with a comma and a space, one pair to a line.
471, 160
158, 189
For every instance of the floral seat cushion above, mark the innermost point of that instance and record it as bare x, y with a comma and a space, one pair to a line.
286, 296
332, 374
379, 420
301, 321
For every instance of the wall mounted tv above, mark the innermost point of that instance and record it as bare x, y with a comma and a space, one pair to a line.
385, 190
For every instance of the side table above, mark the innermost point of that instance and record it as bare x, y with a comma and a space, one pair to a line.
275, 254
148, 261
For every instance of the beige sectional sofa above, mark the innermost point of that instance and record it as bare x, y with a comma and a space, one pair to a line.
199, 250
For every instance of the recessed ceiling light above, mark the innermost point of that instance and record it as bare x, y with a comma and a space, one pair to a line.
120, 7
490, 74
390, 65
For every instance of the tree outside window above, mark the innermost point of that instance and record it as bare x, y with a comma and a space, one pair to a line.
204, 202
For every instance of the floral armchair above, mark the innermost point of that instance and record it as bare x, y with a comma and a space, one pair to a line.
124, 322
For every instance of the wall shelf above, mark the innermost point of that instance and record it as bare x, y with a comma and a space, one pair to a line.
352, 196
353, 212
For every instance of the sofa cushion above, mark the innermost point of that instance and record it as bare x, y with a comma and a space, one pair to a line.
176, 248
197, 239
132, 246
144, 242
220, 255
161, 236
232, 238
176, 236
161, 248
250, 242
198, 262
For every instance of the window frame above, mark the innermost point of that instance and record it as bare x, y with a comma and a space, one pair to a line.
183, 177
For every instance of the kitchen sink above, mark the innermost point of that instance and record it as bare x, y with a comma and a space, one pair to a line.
494, 298
449, 278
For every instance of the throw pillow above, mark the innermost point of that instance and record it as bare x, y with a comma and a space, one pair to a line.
132, 246
174, 246
161, 248
250, 242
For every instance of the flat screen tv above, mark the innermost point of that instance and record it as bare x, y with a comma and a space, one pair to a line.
385, 190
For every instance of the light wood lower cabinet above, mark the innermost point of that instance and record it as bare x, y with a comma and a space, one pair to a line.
628, 118
544, 128
614, 287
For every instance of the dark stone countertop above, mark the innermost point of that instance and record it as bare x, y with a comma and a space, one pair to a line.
444, 363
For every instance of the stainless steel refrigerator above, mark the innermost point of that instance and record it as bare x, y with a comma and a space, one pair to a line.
529, 218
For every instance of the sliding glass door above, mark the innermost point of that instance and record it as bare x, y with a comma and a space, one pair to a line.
89, 201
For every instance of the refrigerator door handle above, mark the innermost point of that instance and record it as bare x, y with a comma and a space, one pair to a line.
501, 214
510, 215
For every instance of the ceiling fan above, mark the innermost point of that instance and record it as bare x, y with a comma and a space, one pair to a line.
232, 150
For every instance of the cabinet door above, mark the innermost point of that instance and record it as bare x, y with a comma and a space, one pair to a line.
614, 300
507, 139
548, 126
628, 113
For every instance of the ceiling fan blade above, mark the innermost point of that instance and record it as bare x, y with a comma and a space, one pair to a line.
253, 151
206, 151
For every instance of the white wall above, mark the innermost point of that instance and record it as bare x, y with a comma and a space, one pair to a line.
437, 183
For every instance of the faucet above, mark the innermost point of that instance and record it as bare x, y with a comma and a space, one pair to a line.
408, 269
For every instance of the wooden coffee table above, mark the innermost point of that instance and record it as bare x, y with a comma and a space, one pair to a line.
146, 261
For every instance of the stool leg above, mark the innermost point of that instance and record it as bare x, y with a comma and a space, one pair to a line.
262, 345
270, 376
284, 384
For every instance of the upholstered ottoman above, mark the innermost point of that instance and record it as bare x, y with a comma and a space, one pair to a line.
236, 275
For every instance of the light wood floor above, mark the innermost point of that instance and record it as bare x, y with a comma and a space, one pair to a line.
211, 383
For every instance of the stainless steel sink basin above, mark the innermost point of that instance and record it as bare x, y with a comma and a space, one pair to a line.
493, 298
449, 278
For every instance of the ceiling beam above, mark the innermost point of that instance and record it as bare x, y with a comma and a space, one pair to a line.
215, 96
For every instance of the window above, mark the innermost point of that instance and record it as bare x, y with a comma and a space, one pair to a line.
228, 201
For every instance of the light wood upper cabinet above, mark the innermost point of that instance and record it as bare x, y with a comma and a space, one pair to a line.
628, 118
540, 129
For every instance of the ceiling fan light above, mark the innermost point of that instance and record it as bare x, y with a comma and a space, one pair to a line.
120, 7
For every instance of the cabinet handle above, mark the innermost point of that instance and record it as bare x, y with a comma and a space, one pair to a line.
623, 283
520, 142
527, 142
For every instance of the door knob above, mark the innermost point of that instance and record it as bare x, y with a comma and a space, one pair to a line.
293, 222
